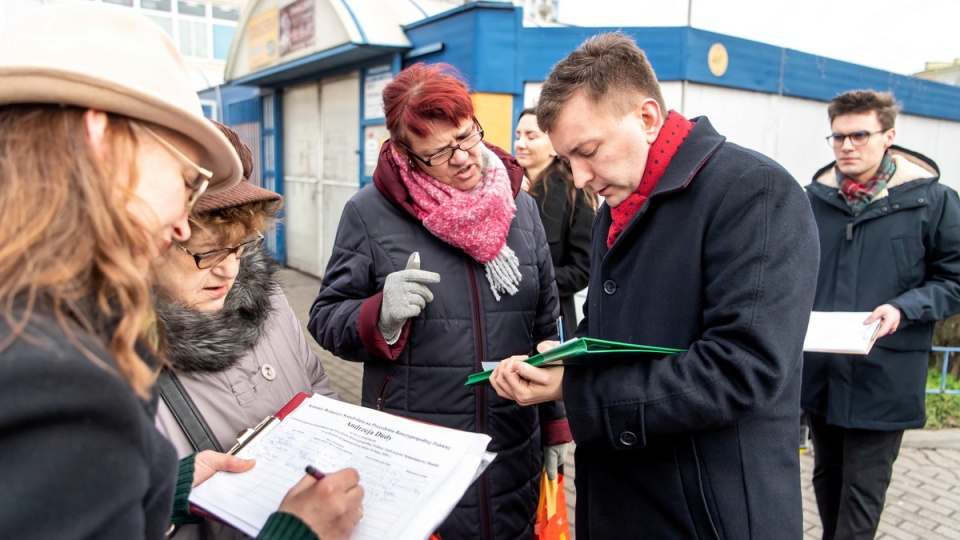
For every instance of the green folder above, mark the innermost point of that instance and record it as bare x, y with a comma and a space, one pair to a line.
581, 351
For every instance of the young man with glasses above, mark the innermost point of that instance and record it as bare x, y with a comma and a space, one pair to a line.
889, 245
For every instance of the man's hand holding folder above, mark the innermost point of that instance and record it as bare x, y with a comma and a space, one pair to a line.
521, 378
516, 379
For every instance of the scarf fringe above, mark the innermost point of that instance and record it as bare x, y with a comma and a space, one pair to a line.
503, 272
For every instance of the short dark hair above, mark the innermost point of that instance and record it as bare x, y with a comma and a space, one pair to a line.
864, 101
606, 66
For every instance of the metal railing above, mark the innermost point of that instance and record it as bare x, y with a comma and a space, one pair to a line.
943, 373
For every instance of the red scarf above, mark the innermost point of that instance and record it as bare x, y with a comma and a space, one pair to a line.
674, 131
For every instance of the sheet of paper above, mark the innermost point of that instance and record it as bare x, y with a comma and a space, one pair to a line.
413, 474
840, 332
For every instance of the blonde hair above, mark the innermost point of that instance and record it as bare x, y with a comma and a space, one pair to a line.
70, 248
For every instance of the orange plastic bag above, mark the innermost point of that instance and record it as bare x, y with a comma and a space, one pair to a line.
551, 521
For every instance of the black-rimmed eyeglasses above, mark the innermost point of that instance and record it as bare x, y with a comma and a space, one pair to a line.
217, 256
857, 138
444, 155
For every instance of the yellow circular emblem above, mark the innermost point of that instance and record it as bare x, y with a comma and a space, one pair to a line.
717, 59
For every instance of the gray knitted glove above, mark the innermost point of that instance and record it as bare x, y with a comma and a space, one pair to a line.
405, 294
553, 456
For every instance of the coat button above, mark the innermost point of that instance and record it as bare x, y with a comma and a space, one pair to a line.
628, 438
920, 200
884, 209
896, 206
268, 372
609, 286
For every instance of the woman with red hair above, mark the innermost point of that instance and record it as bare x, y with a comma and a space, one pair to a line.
440, 268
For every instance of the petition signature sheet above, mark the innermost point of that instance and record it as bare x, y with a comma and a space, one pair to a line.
413, 474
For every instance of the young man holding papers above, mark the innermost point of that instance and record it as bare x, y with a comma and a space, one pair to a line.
702, 245
890, 237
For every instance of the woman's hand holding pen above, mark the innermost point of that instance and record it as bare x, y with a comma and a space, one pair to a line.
332, 506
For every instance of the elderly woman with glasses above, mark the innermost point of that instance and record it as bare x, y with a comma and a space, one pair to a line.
439, 269
233, 341
103, 151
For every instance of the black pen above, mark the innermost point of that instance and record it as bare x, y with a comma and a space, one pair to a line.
315, 472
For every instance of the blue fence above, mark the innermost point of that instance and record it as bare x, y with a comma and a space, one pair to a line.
943, 373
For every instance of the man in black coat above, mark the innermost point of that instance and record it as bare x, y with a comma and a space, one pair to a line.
702, 245
890, 243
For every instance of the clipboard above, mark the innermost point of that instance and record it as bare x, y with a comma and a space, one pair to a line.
582, 350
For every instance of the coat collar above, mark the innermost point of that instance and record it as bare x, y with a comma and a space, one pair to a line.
211, 342
695, 151
910, 166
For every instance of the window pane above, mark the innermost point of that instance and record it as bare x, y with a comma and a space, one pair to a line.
158, 5
222, 35
227, 13
165, 22
192, 8
200, 39
128, 3
193, 39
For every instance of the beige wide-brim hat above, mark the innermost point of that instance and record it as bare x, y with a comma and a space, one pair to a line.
112, 59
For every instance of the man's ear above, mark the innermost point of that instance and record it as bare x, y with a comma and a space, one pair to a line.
651, 117
889, 137
96, 125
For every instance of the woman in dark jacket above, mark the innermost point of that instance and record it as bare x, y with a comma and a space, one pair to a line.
439, 268
567, 212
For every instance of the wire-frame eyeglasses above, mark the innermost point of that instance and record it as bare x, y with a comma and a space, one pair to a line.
217, 256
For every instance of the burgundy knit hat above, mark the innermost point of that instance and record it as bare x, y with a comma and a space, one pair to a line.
242, 193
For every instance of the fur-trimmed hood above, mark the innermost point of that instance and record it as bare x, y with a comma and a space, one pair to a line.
201, 341
910, 166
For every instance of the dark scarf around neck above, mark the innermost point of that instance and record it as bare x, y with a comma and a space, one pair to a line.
211, 342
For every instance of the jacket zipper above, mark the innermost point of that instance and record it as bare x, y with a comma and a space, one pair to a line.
383, 392
484, 482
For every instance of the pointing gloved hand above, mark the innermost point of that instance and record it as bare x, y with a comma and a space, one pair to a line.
554, 456
405, 294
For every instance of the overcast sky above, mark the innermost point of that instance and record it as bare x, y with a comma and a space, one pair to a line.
893, 35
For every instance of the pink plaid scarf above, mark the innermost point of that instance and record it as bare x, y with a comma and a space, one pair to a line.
476, 221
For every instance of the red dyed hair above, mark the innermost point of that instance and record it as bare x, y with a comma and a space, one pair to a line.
423, 94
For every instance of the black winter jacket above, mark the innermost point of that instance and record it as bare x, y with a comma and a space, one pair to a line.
422, 376
568, 228
79, 456
903, 250
721, 261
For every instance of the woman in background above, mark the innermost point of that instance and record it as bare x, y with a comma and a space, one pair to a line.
567, 212
103, 151
231, 337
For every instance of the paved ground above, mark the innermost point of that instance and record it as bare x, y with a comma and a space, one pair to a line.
923, 501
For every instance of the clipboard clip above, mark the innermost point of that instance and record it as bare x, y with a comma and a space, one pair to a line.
250, 434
